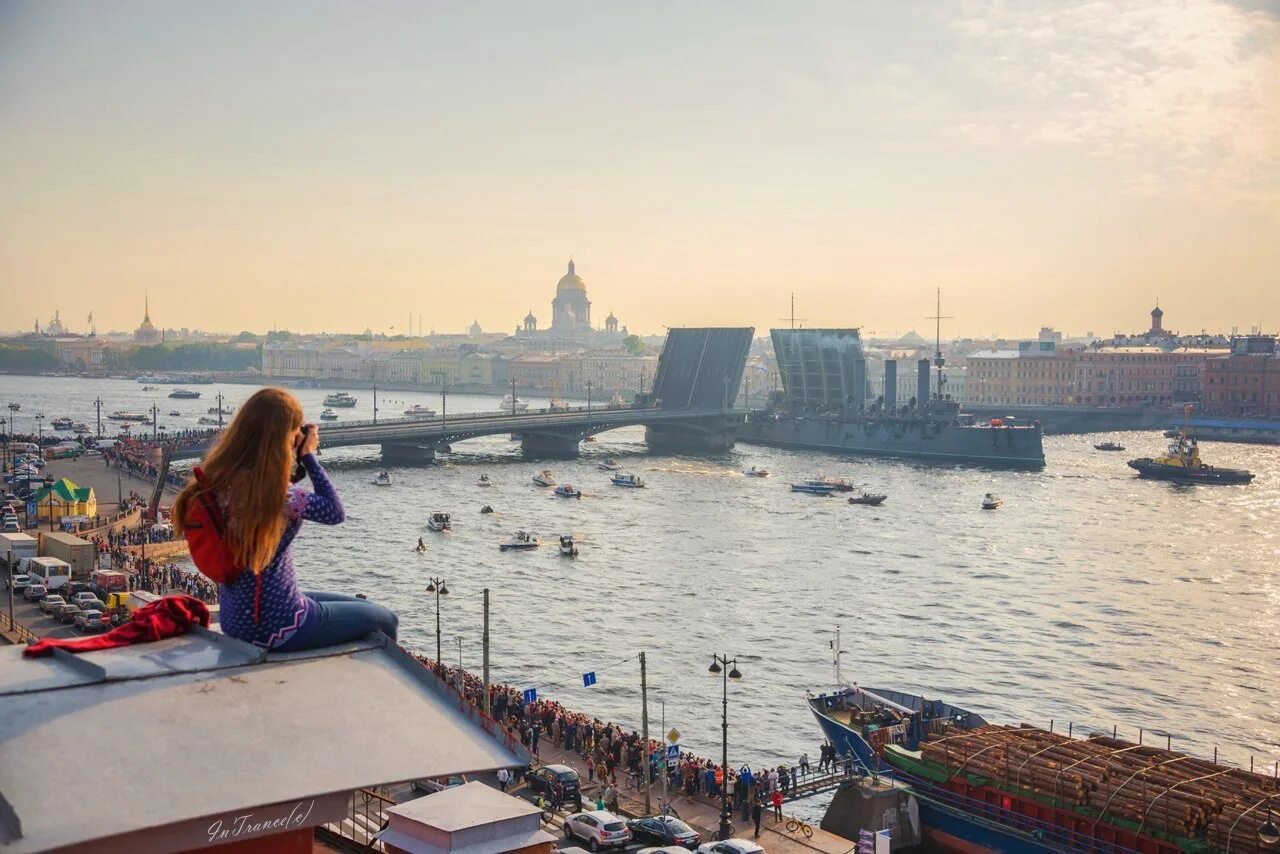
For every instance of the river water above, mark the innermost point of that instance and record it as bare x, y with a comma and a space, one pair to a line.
1091, 597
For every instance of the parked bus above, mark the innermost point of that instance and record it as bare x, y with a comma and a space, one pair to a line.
48, 571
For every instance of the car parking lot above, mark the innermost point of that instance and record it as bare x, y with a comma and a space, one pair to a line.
29, 615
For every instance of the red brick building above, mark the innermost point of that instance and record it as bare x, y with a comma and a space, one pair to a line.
1245, 382
1141, 375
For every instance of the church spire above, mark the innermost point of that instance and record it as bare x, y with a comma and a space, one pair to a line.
570, 265
146, 307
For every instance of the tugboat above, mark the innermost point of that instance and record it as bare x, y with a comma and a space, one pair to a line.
521, 541
1108, 446
439, 522
567, 547
991, 501
869, 499
544, 478
609, 464
484, 481
1181, 464
628, 480
328, 415
567, 490
383, 478
755, 472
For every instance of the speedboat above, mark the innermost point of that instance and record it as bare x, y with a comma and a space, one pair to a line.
328, 415
520, 541
383, 479
173, 413
755, 472
484, 481
511, 402
567, 490
567, 546
544, 478
609, 465
868, 498
420, 411
814, 487
627, 479
439, 522
340, 399
1109, 446
991, 501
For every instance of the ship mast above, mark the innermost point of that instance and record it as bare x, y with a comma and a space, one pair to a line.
836, 653
938, 317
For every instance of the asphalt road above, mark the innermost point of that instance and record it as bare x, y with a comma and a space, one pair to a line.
30, 615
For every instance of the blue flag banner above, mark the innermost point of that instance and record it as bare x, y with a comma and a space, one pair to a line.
588, 679
531, 695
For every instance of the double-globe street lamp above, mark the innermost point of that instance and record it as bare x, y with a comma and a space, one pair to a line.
437, 587
728, 667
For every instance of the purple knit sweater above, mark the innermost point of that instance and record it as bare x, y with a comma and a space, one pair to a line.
283, 611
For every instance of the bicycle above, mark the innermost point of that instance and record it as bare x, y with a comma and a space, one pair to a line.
795, 825
634, 781
668, 809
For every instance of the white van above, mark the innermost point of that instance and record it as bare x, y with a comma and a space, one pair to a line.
49, 572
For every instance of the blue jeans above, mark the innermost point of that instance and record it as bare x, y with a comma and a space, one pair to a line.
341, 618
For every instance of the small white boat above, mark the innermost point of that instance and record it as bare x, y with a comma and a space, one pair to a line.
510, 403
814, 487
755, 472
520, 541
81, 427
62, 423
609, 465
567, 490
991, 501
567, 547
173, 413
328, 415
383, 479
627, 479
544, 478
420, 411
439, 522
484, 481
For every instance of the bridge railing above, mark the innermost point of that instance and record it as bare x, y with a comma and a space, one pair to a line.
471, 416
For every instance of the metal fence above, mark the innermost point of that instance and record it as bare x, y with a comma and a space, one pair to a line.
365, 817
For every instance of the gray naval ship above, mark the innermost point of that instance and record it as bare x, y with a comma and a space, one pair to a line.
824, 406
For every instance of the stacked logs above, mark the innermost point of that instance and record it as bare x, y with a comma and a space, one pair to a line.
1150, 787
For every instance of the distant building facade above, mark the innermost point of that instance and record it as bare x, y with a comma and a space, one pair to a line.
146, 333
1141, 376
1035, 374
1246, 381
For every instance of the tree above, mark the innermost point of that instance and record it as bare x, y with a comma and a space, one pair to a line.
634, 345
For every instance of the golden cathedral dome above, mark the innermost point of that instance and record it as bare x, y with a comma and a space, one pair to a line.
571, 281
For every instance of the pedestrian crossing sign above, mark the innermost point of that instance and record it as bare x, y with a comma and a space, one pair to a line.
588, 679
531, 695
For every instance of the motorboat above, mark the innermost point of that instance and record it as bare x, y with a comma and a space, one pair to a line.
511, 403
991, 501
627, 479
609, 465
568, 490
148, 388
840, 484
814, 487
567, 547
544, 478
1108, 446
226, 410
184, 394
486, 509
328, 415
340, 399
755, 472
439, 521
82, 428
205, 419
124, 415
1182, 464
484, 481
420, 411
383, 478
62, 423
173, 413
520, 541
868, 498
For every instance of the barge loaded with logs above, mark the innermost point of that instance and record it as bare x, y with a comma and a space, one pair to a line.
981, 787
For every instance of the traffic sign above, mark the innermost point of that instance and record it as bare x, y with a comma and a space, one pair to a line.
674, 735
588, 679
673, 754
531, 695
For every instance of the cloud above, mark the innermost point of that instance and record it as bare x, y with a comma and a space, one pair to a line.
1185, 94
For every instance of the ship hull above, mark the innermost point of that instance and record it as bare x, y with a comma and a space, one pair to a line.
998, 447
1152, 470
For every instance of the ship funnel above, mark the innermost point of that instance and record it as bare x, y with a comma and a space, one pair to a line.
922, 384
890, 385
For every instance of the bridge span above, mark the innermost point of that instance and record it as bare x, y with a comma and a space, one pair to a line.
544, 433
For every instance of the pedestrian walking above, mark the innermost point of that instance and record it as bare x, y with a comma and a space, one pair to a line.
755, 816
777, 806
504, 778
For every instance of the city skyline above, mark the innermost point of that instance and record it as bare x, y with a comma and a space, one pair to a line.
1043, 164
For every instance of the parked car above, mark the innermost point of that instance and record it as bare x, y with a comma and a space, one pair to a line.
546, 778
35, 592
663, 830
10, 525
731, 846
19, 581
439, 784
67, 611
598, 828
94, 604
81, 595
51, 603
92, 621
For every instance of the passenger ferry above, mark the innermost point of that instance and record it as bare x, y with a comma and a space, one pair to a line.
124, 415
420, 411
184, 394
340, 399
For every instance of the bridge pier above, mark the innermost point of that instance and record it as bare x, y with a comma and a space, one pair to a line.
406, 453
710, 435
556, 447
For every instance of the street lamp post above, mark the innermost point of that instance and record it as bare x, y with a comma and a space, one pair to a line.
437, 587
98, 406
729, 668
40, 429
219, 410
155, 422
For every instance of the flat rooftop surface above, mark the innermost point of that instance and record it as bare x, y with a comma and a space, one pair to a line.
204, 725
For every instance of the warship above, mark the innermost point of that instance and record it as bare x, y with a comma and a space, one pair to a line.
824, 405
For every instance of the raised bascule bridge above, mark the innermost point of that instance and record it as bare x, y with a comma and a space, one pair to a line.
690, 409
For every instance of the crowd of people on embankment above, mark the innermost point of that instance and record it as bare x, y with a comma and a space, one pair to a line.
154, 576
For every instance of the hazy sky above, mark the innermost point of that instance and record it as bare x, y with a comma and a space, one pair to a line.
312, 165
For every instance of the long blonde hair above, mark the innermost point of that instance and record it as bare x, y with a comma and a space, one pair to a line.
248, 468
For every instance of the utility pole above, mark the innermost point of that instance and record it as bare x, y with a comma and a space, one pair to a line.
644, 734
513, 395
155, 423
98, 404
219, 410
484, 700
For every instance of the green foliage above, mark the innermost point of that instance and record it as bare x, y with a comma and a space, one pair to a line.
195, 356
26, 359
634, 345
245, 338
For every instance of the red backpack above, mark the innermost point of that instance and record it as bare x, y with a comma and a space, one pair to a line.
206, 533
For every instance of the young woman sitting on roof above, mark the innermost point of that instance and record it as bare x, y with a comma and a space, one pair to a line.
247, 474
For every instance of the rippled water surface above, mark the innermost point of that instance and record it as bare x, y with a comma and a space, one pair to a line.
1091, 597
